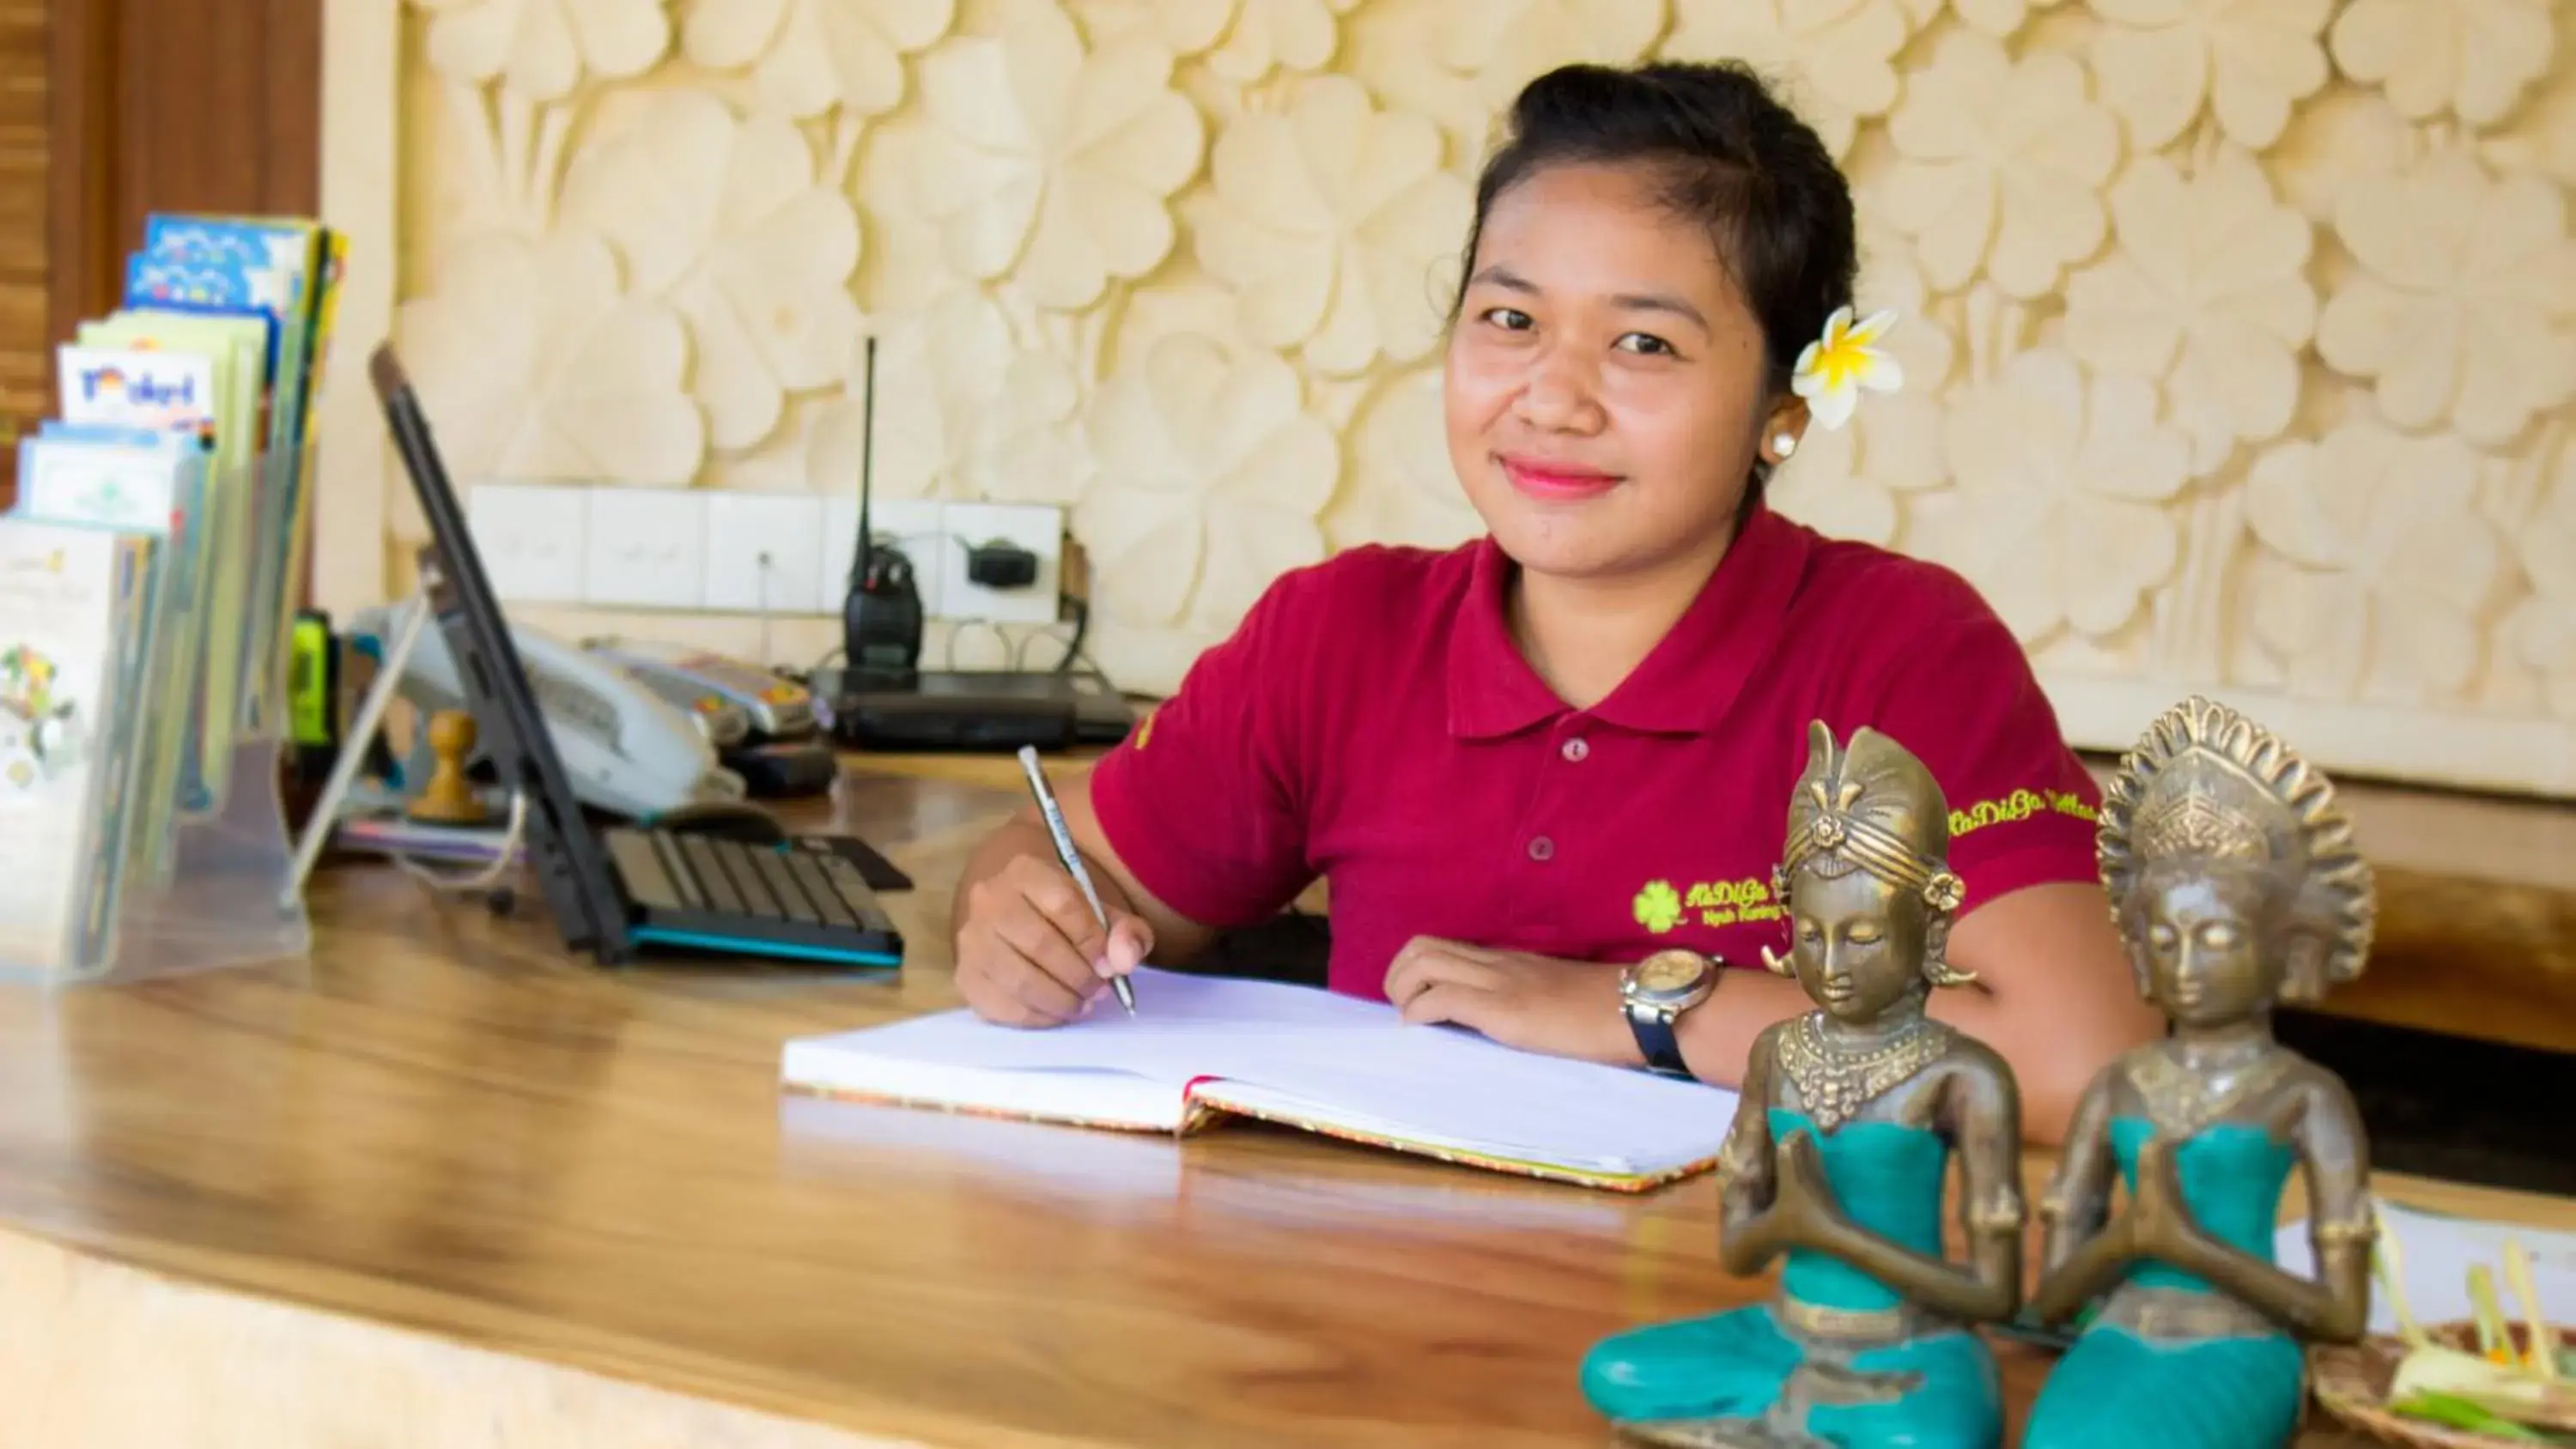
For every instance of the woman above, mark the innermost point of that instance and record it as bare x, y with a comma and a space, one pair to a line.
1528, 762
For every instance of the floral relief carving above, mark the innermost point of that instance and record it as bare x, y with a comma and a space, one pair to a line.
1212, 475
2058, 513
2000, 166
1835, 57
1403, 489
2207, 292
542, 48
1998, 18
725, 218
537, 365
1326, 219
2543, 629
1503, 43
2469, 57
1052, 162
2157, 61
2379, 569
2460, 309
808, 56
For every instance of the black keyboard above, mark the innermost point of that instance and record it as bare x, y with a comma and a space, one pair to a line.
794, 895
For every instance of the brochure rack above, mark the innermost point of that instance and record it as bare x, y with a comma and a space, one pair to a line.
213, 890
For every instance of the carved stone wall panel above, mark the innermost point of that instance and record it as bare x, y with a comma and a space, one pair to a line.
2239, 335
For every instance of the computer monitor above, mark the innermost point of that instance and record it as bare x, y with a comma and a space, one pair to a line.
571, 869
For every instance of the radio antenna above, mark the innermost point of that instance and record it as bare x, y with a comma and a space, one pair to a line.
867, 466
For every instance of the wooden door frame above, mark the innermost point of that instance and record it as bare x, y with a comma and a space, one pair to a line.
81, 245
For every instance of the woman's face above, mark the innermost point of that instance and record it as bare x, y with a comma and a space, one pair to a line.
1858, 947
2200, 946
1606, 388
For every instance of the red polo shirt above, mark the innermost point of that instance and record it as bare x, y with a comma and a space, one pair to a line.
1372, 723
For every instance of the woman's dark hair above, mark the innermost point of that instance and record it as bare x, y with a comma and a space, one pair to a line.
1728, 155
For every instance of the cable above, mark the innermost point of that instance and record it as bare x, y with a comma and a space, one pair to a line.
491, 873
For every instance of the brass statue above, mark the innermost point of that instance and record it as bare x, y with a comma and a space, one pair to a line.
2236, 884
1849, 1116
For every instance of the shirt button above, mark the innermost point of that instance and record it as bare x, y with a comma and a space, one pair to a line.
1575, 750
1542, 848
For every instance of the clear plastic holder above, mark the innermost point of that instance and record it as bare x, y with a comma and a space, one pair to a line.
208, 881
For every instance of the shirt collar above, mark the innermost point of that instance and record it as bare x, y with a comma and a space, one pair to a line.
1685, 685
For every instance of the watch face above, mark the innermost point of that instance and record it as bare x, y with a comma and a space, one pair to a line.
1669, 972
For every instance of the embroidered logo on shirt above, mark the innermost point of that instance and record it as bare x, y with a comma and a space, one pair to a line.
1660, 906
2019, 805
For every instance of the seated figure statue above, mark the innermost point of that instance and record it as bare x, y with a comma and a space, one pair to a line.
2237, 886
1850, 1114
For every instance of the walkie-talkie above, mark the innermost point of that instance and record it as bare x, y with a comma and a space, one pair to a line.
881, 617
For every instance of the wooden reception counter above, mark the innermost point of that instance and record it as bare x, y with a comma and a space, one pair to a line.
443, 1186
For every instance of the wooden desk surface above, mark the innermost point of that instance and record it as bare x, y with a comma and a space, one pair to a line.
443, 1124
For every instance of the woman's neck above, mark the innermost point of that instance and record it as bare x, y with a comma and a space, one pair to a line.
1584, 636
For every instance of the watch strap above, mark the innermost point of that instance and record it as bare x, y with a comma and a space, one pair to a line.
1653, 1026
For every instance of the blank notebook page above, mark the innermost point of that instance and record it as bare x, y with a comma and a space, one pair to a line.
1306, 1054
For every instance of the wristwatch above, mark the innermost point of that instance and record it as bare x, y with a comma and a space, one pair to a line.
1656, 991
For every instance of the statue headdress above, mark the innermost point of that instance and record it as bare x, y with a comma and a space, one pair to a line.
1871, 805
2207, 784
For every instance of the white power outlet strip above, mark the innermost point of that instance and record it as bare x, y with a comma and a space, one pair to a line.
688, 550
646, 548
531, 539
764, 552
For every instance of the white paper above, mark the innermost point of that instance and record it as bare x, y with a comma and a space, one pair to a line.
1353, 1063
2435, 1253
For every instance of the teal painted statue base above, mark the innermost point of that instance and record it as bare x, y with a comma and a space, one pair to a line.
2119, 1388
1740, 1378
1744, 1377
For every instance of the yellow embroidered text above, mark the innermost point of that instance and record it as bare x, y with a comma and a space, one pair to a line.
1661, 906
2019, 805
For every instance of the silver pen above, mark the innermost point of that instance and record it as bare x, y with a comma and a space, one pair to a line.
1072, 859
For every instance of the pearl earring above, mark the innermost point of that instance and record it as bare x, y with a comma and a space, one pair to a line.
1784, 444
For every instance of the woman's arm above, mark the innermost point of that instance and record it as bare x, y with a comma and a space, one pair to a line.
2053, 994
1175, 938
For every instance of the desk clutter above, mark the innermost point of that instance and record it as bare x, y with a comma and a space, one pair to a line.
149, 572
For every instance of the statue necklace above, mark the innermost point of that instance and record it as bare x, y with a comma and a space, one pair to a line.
1835, 1080
2181, 1100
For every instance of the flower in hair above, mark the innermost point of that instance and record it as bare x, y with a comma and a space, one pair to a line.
1833, 369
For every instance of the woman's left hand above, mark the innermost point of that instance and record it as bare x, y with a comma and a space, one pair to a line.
1536, 1003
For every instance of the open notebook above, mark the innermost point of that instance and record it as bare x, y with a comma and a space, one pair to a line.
1200, 1048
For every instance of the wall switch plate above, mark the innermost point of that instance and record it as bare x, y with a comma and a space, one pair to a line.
1037, 527
916, 525
529, 537
646, 548
786, 528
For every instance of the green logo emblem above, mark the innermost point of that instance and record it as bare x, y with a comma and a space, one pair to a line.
1658, 907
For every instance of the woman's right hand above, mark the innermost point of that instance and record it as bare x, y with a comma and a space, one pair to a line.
1029, 951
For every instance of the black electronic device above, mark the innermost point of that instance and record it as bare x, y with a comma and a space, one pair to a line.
881, 619
977, 710
619, 890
